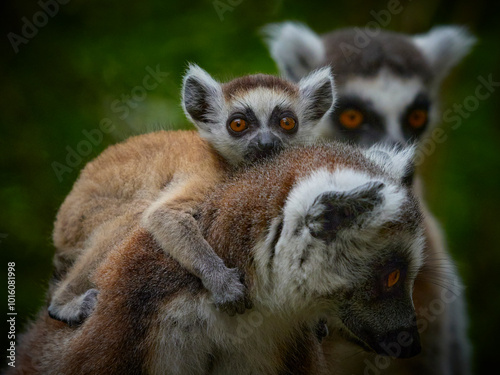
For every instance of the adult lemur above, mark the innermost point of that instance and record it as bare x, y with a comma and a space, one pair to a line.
160, 178
387, 86
328, 231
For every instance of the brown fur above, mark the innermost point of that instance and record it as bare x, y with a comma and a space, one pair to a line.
136, 278
135, 281
388, 50
255, 211
130, 173
247, 83
171, 170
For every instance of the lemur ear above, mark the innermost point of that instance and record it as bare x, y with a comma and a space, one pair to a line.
317, 91
397, 162
295, 48
334, 210
202, 97
444, 47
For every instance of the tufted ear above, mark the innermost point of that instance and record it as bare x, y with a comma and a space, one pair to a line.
202, 97
397, 162
317, 91
296, 49
333, 210
444, 47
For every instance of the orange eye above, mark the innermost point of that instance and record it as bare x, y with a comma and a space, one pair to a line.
238, 125
288, 123
393, 278
351, 118
417, 118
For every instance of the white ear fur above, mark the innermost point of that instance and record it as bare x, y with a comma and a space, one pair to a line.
444, 47
202, 96
296, 49
318, 90
397, 163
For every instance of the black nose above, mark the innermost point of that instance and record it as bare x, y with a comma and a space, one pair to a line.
266, 147
263, 147
403, 343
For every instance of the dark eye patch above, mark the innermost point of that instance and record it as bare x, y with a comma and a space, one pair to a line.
421, 104
277, 114
383, 272
249, 116
372, 128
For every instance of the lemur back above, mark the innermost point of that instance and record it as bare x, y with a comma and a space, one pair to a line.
328, 232
388, 91
158, 179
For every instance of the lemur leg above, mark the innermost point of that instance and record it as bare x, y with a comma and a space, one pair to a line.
171, 222
75, 311
74, 298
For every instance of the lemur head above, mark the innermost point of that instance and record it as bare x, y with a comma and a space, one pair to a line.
254, 116
387, 83
336, 232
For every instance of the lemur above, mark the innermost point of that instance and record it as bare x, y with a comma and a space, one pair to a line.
328, 231
159, 179
388, 87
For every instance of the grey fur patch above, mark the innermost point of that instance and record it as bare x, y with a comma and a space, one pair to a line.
348, 56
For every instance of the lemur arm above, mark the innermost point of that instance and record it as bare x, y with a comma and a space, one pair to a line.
171, 222
160, 177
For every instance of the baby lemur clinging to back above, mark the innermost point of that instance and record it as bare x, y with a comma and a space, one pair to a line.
243, 120
330, 231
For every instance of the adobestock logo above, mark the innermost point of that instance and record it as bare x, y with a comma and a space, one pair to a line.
122, 108
455, 115
30, 28
364, 35
138, 93
222, 7
449, 299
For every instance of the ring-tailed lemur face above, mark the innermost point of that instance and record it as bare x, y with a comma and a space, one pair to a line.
387, 84
254, 116
349, 239
401, 115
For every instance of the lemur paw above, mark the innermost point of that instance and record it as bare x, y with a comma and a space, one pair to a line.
228, 292
77, 310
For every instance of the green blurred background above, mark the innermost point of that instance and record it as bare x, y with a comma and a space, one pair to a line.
89, 56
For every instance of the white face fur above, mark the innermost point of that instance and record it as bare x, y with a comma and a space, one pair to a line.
386, 117
254, 116
378, 105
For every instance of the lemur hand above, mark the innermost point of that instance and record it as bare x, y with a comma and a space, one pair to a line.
228, 292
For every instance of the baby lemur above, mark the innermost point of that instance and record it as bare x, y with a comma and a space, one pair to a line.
160, 178
328, 231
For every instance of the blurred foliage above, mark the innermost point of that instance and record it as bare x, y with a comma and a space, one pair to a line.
89, 54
